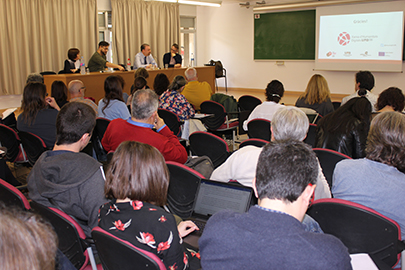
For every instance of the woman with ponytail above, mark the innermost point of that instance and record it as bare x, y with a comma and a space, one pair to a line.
274, 92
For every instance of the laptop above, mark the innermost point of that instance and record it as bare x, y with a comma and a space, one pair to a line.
212, 197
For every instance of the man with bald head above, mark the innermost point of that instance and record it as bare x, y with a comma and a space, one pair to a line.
77, 89
196, 92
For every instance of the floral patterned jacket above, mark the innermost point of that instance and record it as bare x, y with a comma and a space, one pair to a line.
148, 227
175, 102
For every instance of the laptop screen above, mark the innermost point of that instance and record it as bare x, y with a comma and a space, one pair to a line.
216, 196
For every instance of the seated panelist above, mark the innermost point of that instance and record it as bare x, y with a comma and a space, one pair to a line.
172, 58
72, 64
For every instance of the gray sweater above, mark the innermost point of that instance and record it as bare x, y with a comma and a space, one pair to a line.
74, 180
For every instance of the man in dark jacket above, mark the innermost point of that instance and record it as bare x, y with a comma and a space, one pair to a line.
172, 58
65, 178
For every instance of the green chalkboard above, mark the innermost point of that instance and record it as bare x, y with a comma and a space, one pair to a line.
285, 35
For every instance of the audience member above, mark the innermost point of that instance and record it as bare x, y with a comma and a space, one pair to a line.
59, 93
377, 181
77, 90
140, 72
137, 182
316, 96
172, 58
196, 92
27, 242
274, 92
98, 61
270, 235
364, 85
161, 83
144, 117
174, 101
72, 64
112, 106
38, 113
66, 178
144, 58
34, 77
345, 130
289, 123
390, 100
139, 83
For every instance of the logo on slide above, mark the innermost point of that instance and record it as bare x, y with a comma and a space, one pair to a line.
343, 38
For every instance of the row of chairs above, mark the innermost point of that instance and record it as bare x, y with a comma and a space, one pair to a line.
22, 147
113, 252
361, 229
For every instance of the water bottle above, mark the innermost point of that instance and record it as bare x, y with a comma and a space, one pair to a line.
192, 60
129, 65
82, 69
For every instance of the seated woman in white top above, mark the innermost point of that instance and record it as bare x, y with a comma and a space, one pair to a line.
112, 106
274, 92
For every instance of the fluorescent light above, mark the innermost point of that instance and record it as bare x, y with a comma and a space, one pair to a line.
307, 4
170, 1
200, 3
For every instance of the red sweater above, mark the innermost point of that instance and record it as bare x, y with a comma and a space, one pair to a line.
165, 141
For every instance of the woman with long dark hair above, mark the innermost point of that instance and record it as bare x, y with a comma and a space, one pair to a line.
112, 106
137, 181
345, 130
59, 93
38, 113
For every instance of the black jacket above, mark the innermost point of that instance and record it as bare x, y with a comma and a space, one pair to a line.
351, 143
167, 56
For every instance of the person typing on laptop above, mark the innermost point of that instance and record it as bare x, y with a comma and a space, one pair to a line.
270, 235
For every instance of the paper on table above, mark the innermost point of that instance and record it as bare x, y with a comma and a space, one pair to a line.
8, 112
362, 261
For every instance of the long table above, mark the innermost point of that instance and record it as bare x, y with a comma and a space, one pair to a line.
94, 81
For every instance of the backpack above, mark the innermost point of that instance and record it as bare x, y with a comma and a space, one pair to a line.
219, 69
201, 164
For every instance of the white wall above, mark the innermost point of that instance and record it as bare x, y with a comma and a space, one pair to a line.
226, 34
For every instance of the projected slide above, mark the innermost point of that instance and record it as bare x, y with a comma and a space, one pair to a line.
367, 36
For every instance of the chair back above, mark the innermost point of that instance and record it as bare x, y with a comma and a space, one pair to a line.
10, 139
328, 159
70, 234
116, 253
171, 120
248, 103
361, 229
207, 144
259, 129
311, 135
47, 73
336, 105
33, 145
213, 107
183, 187
253, 142
97, 136
11, 196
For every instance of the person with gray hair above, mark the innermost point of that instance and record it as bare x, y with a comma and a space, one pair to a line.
34, 77
196, 92
289, 124
144, 118
76, 90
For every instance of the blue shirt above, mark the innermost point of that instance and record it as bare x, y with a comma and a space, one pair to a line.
140, 60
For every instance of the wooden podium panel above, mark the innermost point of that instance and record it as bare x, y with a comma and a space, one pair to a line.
94, 81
